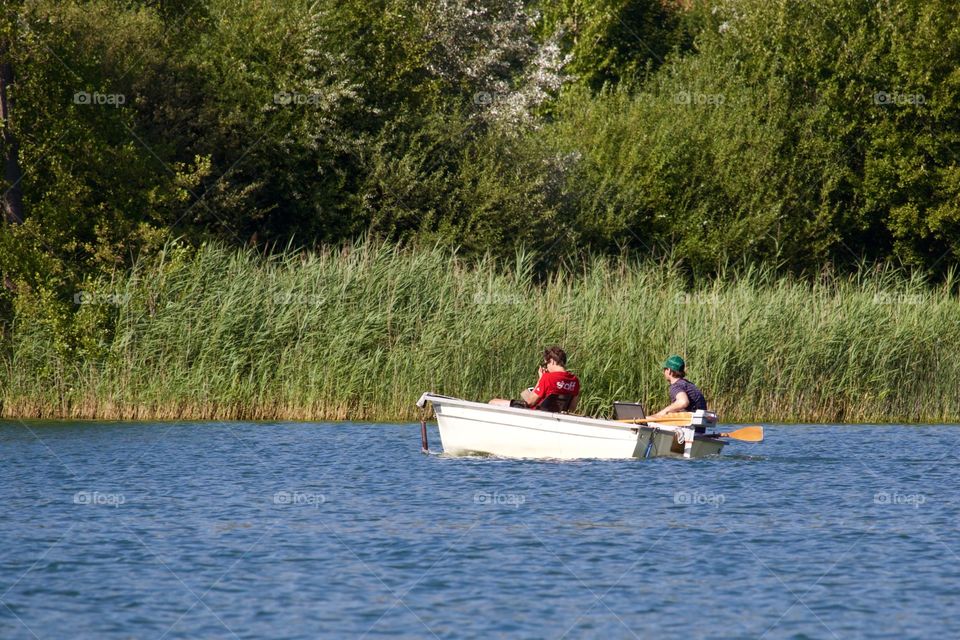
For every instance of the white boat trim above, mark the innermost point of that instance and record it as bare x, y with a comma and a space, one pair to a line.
559, 417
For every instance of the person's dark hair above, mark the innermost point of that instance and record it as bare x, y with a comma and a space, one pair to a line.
679, 374
556, 354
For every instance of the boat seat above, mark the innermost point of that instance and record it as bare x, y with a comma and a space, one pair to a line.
556, 403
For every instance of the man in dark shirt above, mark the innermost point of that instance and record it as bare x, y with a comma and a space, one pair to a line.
684, 395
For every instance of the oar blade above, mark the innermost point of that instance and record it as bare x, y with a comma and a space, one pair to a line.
747, 434
678, 419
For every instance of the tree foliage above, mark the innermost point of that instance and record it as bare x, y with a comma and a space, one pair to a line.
760, 131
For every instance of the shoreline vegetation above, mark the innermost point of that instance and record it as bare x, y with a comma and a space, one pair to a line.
496, 176
359, 333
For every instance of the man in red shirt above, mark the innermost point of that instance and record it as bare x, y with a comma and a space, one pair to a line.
554, 380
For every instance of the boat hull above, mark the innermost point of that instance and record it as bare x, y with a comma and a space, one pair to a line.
470, 428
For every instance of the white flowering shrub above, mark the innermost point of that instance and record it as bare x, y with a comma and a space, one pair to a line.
490, 51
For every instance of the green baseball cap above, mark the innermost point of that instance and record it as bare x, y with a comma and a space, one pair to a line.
674, 363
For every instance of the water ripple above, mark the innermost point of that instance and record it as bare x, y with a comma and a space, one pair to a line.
187, 530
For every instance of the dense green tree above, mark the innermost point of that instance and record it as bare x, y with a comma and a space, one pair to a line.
795, 133
717, 131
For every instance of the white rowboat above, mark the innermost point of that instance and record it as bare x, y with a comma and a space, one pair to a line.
471, 428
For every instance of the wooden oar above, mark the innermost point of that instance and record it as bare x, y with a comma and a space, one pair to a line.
673, 419
747, 434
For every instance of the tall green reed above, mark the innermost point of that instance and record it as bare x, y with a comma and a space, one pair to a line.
359, 333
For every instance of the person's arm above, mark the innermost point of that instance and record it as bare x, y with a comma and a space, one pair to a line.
530, 396
681, 403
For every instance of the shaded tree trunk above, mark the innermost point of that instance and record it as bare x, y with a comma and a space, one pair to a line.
9, 148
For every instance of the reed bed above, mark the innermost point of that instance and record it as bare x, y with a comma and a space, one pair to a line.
360, 333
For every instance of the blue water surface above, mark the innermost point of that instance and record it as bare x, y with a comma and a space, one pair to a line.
293, 530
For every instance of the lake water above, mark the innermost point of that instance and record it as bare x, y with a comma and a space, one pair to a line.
234, 530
